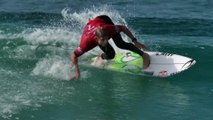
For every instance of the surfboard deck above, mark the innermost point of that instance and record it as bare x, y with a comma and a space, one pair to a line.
161, 64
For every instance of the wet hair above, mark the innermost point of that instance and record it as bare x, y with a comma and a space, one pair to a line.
101, 32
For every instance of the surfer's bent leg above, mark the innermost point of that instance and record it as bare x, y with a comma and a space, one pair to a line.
118, 39
109, 52
124, 45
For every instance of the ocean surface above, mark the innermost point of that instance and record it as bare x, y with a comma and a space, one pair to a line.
37, 37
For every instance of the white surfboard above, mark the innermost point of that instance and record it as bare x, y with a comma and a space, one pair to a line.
161, 64
166, 64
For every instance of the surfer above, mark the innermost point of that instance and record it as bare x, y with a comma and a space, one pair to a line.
97, 32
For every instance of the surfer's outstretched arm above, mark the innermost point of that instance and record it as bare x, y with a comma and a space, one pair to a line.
76, 68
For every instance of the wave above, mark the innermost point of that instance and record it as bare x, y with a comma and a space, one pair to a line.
37, 51
64, 32
37, 46
60, 36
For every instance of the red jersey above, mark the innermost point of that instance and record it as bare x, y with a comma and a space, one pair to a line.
88, 38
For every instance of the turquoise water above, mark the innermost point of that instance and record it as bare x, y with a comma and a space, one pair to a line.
36, 38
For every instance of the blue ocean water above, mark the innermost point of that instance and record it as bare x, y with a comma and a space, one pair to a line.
36, 38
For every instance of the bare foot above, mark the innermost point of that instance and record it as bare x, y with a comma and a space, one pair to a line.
146, 60
99, 62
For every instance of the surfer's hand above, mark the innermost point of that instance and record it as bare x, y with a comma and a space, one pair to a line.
140, 46
77, 74
76, 77
76, 69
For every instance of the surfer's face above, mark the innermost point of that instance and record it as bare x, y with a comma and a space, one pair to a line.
102, 41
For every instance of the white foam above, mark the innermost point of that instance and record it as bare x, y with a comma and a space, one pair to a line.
54, 67
71, 34
50, 35
83, 16
80, 19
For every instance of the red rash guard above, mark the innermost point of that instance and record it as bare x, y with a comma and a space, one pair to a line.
88, 38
